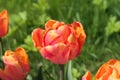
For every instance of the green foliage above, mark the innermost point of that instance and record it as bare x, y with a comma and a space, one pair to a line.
102, 29
75, 73
28, 45
102, 4
112, 26
19, 18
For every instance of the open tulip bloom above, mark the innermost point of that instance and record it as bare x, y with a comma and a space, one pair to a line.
108, 71
59, 42
16, 65
3, 23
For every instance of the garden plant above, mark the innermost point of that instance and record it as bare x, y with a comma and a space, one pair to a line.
60, 40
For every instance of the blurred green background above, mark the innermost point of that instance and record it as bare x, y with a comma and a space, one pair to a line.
101, 21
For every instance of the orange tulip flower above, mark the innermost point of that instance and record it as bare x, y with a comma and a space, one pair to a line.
3, 23
108, 71
87, 76
16, 65
59, 42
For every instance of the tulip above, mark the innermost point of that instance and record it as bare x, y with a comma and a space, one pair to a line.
87, 76
108, 71
3, 23
16, 65
59, 42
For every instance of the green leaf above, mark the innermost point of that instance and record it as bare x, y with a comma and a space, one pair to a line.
28, 44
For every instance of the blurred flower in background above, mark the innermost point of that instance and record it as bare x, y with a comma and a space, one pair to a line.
87, 76
16, 65
108, 71
3, 23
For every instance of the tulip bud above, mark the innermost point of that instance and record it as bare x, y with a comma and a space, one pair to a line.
3, 23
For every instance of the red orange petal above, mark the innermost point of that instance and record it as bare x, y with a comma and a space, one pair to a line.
37, 36
115, 63
49, 24
52, 24
57, 53
87, 76
23, 59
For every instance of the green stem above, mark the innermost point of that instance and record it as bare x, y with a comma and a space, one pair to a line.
1, 53
70, 71
61, 72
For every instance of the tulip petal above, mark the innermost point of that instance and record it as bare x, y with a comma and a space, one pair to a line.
37, 36
78, 29
49, 24
74, 47
79, 32
56, 36
104, 72
116, 66
64, 32
87, 76
115, 63
57, 53
12, 66
3, 76
50, 36
52, 24
57, 25
23, 59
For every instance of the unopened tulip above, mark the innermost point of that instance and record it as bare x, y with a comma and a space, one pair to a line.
3, 23
16, 65
59, 42
87, 76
